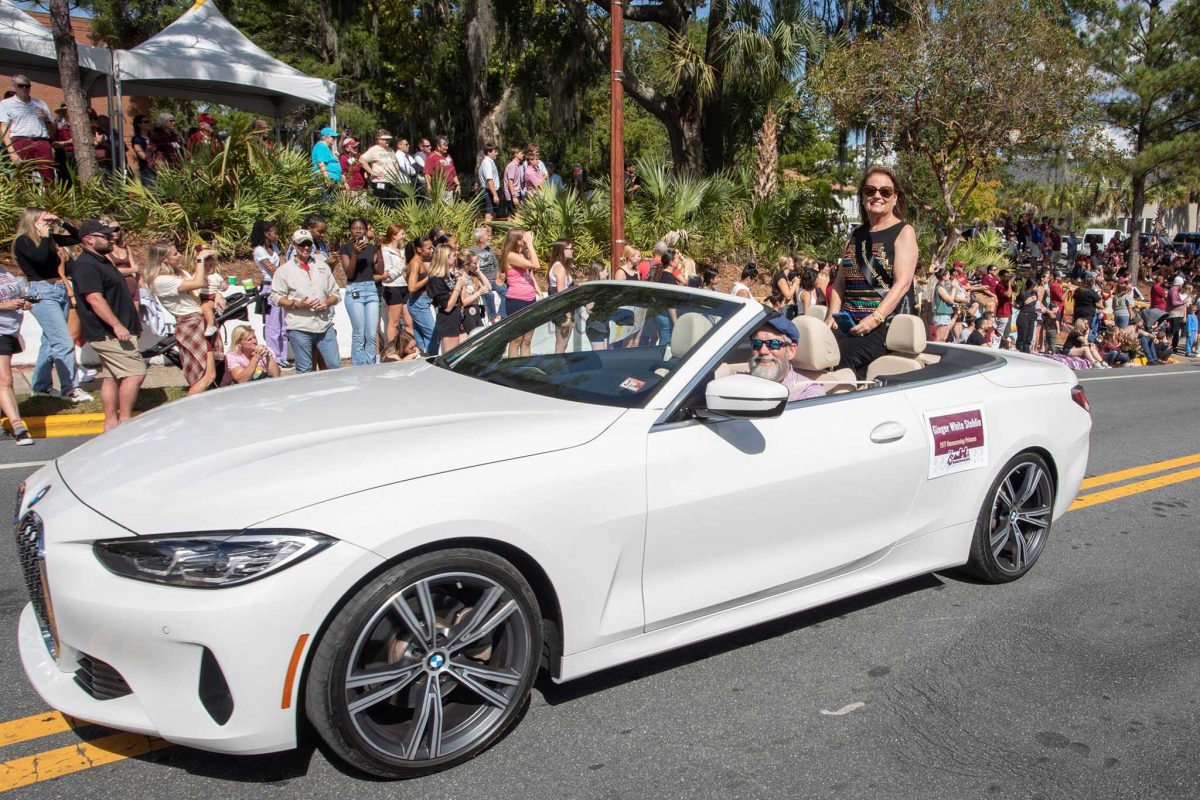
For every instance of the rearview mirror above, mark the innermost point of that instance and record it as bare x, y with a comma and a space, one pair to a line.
744, 397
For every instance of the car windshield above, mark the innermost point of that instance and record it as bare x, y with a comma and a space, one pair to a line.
611, 344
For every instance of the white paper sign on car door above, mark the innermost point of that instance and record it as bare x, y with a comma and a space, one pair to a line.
957, 440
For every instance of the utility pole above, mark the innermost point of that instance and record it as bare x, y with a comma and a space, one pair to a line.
617, 135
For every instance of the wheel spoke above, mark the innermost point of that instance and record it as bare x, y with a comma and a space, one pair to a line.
429, 716
1018, 547
475, 615
1038, 517
402, 680
425, 598
485, 627
411, 622
381, 674
1033, 478
1000, 538
467, 674
1004, 494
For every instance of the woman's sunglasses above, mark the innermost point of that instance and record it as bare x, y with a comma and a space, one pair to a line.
884, 191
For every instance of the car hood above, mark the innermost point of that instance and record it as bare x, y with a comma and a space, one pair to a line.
230, 458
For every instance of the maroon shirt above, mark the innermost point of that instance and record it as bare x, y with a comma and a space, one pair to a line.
353, 171
1158, 297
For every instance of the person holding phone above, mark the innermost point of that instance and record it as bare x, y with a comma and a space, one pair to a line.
362, 261
875, 281
519, 262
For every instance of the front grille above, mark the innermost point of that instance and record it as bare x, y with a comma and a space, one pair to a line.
99, 679
32, 552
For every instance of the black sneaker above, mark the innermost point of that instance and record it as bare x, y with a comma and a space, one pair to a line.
23, 438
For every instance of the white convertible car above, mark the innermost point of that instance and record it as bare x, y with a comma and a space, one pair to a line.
392, 553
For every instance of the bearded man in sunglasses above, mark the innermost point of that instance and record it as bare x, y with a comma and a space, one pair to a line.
772, 348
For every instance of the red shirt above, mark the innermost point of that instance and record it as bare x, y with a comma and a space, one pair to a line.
436, 163
198, 138
1003, 300
353, 171
990, 282
1056, 293
643, 268
1158, 297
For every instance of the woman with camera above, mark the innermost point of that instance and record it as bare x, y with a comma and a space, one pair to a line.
246, 360
875, 281
1029, 307
36, 251
175, 289
362, 262
519, 262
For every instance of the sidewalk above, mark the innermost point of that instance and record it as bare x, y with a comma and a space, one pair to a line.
159, 377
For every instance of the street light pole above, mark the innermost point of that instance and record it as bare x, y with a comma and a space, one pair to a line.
617, 136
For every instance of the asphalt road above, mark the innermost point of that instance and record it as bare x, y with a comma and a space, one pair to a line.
1078, 681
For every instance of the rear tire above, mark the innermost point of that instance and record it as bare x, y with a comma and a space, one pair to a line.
427, 665
1014, 522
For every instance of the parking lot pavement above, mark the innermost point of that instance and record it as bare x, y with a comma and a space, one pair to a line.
1077, 681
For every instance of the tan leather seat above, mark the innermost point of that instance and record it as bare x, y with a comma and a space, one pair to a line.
817, 312
689, 329
905, 344
817, 354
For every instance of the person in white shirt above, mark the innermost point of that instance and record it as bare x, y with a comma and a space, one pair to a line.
382, 166
25, 128
489, 181
306, 291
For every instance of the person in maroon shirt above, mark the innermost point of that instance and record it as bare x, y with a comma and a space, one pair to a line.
205, 135
439, 162
1003, 292
355, 179
1158, 293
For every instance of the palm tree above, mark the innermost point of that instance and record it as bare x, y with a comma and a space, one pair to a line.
766, 51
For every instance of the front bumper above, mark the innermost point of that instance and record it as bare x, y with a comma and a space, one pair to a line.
164, 641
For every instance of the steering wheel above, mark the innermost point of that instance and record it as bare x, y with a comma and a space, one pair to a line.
530, 369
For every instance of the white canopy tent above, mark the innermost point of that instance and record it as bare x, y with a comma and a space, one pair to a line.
27, 48
202, 56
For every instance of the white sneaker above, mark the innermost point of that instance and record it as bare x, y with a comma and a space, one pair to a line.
211, 330
77, 395
86, 375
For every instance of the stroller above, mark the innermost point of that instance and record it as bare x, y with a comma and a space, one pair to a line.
236, 308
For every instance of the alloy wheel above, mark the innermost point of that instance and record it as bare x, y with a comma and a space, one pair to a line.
1020, 517
437, 666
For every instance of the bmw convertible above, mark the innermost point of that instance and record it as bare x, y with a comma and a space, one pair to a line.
391, 554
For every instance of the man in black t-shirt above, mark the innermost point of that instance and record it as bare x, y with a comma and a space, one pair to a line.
983, 324
1086, 301
109, 322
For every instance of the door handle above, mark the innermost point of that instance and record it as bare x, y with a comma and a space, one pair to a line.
887, 432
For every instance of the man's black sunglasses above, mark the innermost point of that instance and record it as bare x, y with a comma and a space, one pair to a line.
774, 344
22, 85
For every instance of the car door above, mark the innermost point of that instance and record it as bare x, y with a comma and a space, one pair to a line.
741, 509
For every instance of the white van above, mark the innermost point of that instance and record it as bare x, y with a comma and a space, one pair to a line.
1099, 236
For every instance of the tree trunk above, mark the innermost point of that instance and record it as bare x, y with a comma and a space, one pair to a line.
766, 156
72, 87
714, 110
481, 30
1138, 181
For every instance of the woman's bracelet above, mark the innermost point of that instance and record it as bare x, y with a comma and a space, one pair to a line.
879, 318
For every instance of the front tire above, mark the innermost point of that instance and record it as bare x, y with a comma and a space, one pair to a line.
427, 665
1014, 522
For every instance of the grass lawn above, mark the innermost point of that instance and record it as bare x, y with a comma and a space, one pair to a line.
43, 406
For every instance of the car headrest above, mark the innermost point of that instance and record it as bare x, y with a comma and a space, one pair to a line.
906, 335
818, 312
817, 348
690, 328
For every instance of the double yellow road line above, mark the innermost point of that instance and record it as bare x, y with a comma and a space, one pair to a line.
1126, 489
64, 760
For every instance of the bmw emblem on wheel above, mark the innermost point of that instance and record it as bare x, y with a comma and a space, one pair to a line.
436, 660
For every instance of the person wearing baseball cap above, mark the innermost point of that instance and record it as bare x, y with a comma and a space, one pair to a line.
109, 321
305, 289
772, 348
204, 136
324, 162
349, 160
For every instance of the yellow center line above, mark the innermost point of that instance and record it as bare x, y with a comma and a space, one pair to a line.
1117, 492
1137, 472
75, 758
35, 727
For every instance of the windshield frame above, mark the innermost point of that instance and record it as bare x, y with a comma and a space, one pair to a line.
728, 307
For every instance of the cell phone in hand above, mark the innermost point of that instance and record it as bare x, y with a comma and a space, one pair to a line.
844, 321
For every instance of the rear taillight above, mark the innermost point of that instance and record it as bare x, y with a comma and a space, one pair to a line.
1080, 398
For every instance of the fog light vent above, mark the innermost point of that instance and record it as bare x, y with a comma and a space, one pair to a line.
214, 689
100, 679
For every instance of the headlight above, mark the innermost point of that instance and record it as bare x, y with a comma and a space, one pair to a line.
208, 560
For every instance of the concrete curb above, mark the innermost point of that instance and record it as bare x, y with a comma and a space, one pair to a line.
62, 425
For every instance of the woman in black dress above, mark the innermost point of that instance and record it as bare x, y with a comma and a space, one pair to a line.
875, 281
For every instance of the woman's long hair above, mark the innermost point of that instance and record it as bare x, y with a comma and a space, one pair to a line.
511, 243
27, 226
901, 207
440, 266
156, 265
389, 235
557, 254
258, 234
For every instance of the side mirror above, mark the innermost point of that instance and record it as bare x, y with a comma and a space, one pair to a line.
743, 397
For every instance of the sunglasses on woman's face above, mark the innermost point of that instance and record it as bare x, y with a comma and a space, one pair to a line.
884, 191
